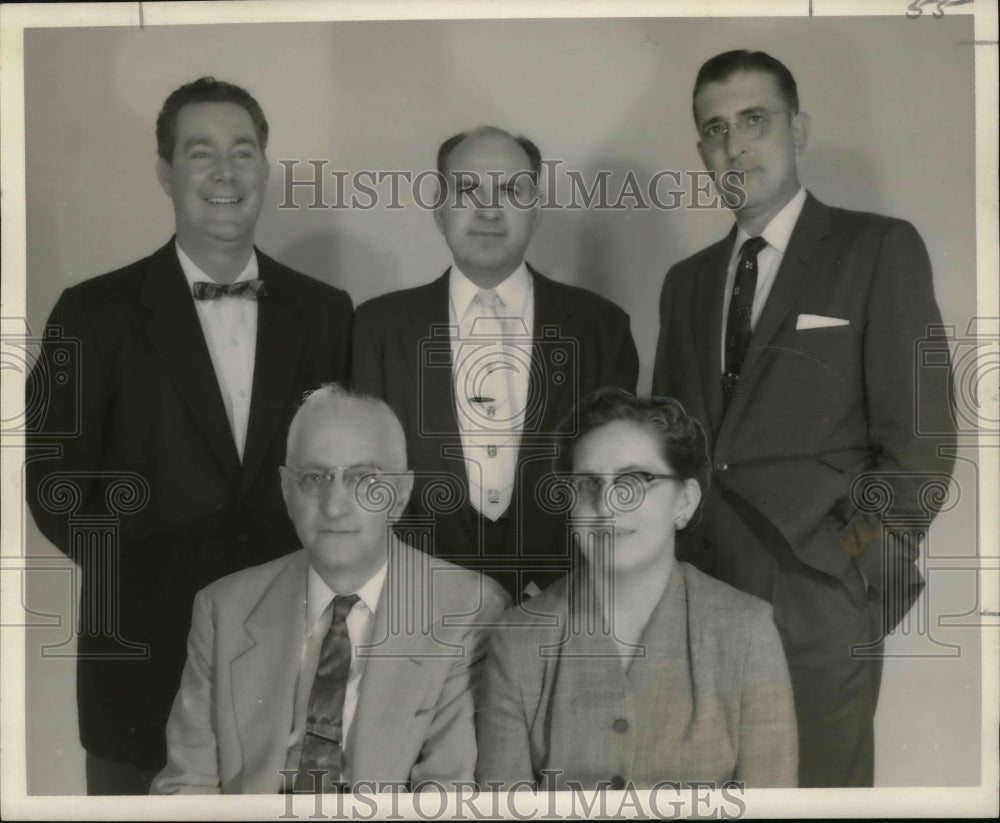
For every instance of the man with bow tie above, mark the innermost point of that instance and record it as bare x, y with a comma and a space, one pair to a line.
192, 362
794, 340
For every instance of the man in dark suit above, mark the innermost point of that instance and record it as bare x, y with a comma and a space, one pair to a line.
797, 351
482, 364
192, 363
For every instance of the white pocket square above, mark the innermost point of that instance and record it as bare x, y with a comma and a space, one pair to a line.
818, 321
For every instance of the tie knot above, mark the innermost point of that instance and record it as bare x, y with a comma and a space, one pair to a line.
342, 605
250, 289
490, 299
752, 246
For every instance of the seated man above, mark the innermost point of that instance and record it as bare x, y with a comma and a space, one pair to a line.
339, 664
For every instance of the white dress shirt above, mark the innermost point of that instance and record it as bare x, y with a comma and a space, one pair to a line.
777, 233
490, 448
360, 626
230, 328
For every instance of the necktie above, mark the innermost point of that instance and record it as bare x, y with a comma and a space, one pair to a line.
498, 410
323, 747
738, 324
494, 385
249, 289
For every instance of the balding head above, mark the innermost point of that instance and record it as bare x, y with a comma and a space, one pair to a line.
330, 400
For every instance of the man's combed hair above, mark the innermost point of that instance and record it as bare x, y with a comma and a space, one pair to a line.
329, 396
723, 66
682, 439
204, 90
448, 146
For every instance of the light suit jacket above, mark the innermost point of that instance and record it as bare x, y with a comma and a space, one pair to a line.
707, 698
230, 724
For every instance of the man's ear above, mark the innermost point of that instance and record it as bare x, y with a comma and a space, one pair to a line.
536, 218
800, 131
404, 487
286, 480
165, 174
442, 203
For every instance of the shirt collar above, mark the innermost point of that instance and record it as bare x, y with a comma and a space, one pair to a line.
319, 595
193, 272
513, 290
778, 232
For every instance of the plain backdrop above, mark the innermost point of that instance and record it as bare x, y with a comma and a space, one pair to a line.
892, 111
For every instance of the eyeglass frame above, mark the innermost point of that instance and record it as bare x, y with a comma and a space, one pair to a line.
329, 476
646, 479
719, 139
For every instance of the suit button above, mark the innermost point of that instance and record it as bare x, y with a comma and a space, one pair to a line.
617, 783
721, 466
620, 725
241, 539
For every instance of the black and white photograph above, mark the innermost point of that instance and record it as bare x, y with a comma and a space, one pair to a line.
516, 410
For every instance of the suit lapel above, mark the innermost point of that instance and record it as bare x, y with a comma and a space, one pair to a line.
395, 679
545, 402
175, 332
280, 335
709, 296
264, 672
813, 224
425, 346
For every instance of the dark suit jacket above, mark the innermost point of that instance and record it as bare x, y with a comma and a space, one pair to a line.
230, 725
814, 408
402, 353
148, 410
707, 699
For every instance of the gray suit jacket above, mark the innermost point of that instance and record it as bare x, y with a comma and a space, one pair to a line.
707, 698
230, 724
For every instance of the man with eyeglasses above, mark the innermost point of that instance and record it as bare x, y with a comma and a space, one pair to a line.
347, 665
483, 364
793, 340
191, 363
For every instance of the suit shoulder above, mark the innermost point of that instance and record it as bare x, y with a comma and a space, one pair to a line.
305, 286
584, 299
700, 261
122, 284
718, 602
248, 584
455, 587
863, 222
391, 306
535, 614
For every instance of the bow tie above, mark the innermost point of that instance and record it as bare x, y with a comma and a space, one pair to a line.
249, 289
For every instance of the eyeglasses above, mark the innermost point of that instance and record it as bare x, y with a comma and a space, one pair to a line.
752, 126
621, 492
315, 482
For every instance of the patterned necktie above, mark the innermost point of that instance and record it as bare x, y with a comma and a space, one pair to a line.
738, 324
249, 289
322, 760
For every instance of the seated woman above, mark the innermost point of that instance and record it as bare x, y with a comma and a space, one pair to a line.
651, 671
